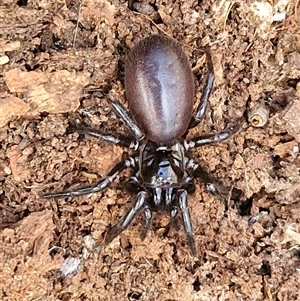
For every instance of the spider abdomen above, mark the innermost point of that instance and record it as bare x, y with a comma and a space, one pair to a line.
159, 88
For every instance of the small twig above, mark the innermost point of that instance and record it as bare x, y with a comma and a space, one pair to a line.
201, 62
77, 25
153, 23
227, 14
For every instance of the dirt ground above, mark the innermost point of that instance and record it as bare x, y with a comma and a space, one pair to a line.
60, 62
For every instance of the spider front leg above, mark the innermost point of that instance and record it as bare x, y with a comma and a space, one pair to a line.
147, 222
186, 219
198, 172
141, 200
111, 176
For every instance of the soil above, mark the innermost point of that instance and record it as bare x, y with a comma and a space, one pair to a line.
60, 63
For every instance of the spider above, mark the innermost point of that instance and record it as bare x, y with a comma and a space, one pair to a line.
159, 88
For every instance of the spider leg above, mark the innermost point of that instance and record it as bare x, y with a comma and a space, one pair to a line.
111, 176
198, 172
186, 219
146, 223
118, 140
214, 138
215, 188
120, 111
201, 109
140, 201
173, 218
